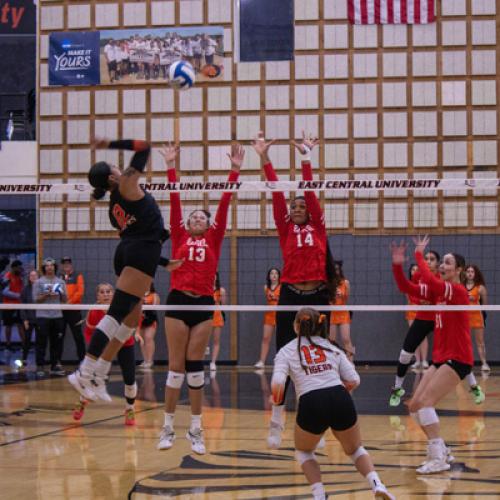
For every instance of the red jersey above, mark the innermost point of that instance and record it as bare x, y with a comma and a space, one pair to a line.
200, 253
93, 318
423, 315
303, 246
15, 285
452, 339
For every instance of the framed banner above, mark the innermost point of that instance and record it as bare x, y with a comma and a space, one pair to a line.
74, 58
137, 56
17, 17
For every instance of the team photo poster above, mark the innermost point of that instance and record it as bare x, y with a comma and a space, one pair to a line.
134, 56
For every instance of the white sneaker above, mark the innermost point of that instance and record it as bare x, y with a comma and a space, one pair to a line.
446, 453
424, 365
99, 388
82, 384
259, 364
145, 367
213, 367
167, 438
321, 443
274, 436
434, 466
416, 365
485, 367
197, 441
380, 491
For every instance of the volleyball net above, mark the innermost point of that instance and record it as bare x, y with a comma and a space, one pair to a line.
362, 215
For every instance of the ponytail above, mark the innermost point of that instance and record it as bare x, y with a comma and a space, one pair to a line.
98, 193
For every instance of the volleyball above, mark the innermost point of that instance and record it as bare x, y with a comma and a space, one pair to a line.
181, 75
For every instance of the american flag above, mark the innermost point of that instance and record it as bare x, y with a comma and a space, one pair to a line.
391, 11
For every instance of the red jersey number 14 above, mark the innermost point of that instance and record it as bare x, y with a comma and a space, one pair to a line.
308, 240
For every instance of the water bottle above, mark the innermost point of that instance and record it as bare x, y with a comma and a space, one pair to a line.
10, 127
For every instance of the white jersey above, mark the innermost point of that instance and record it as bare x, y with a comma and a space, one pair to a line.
320, 367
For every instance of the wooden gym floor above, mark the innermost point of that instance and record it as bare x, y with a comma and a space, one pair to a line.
44, 455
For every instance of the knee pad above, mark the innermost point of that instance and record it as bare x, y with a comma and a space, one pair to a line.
124, 332
405, 357
194, 374
427, 416
304, 456
415, 417
122, 305
175, 379
131, 391
108, 326
358, 453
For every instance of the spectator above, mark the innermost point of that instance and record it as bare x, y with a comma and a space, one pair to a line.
49, 289
75, 288
28, 316
13, 285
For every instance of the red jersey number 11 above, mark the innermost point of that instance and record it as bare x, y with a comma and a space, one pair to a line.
313, 355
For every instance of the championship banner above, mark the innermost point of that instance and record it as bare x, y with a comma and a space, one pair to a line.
137, 56
74, 58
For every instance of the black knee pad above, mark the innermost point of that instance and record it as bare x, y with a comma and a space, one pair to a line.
122, 305
195, 375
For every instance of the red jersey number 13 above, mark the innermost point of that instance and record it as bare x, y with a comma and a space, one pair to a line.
197, 254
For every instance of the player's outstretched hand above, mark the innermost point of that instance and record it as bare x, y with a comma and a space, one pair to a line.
421, 243
262, 146
307, 145
398, 253
170, 152
236, 156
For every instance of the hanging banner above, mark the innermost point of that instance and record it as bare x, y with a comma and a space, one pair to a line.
137, 56
74, 58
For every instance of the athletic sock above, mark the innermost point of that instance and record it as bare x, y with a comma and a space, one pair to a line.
399, 382
102, 367
277, 415
169, 420
87, 366
129, 406
318, 490
373, 480
471, 379
195, 422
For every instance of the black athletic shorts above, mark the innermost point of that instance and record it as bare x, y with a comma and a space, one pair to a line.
418, 331
11, 317
139, 254
191, 318
461, 369
323, 408
291, 296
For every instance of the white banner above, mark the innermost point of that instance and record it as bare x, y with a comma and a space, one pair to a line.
263, 186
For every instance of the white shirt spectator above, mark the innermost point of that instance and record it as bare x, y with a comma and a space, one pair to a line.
110, 52
323, 368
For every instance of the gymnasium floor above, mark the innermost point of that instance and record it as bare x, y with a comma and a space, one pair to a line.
44, 455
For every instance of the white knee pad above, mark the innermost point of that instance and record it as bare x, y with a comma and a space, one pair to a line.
108, 326
124, 332
405, 357
131, 391
427, 416
415, 417
358, 453
175, 379
304, 456
195, 380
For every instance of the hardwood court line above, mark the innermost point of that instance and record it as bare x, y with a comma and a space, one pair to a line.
75, 426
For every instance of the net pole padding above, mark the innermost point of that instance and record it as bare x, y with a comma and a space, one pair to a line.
257, 308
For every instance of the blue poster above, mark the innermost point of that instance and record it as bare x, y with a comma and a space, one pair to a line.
74, 58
